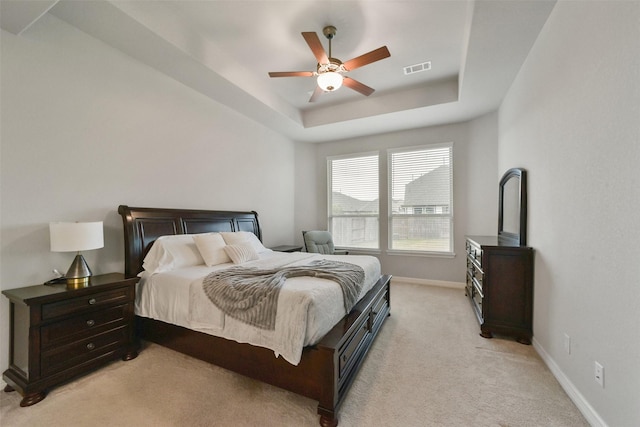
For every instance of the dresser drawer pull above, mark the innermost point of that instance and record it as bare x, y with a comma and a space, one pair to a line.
91, 346
91, 322
92, 301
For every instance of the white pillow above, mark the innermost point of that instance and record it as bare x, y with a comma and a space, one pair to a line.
211, 247
241, 253
171, 252
237, 237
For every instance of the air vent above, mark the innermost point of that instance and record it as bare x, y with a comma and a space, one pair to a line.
412, 69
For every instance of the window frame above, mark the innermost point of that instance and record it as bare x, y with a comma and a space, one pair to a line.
330, 215
390, 215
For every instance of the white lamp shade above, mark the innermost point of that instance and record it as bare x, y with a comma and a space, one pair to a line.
75, 236
330, 81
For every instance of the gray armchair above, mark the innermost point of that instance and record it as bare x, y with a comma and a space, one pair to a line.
320, 242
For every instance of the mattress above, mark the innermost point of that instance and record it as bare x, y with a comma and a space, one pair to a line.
308, 307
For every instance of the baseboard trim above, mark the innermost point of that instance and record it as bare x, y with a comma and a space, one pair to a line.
576, 397
428, 282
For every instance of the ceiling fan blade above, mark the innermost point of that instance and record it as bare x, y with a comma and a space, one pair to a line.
291, 74
357, 86
367, 58
316, 94
316, 47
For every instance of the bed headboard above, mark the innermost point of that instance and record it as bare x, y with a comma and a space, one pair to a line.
142, 226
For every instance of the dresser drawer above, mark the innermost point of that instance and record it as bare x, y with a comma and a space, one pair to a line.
478, 279
477, 301
474, 253
468, 286
71, 355
79, 304
84, 324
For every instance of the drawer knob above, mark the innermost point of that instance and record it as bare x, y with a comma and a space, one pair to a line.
91, 322
92, 301
91, 346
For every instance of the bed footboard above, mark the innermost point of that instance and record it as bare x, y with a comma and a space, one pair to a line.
349, 342
326, 370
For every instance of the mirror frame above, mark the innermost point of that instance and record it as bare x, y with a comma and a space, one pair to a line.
519, 238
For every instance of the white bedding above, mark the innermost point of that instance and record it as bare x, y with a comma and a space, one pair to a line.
307, 307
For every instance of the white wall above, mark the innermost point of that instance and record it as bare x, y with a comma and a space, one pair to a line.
572, 119
85, 128
307, 189
475, 184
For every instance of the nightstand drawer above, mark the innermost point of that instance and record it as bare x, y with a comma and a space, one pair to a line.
78, 304
74, 354
87, 323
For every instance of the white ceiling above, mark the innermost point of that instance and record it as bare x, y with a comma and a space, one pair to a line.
224, 49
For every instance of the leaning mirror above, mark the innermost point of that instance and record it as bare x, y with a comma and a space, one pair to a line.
512, 209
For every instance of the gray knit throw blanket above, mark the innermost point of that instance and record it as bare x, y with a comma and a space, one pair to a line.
251, 294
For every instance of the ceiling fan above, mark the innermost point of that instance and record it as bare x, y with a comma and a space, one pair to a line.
330, 71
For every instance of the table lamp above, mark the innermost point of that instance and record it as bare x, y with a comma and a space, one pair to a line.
76, 237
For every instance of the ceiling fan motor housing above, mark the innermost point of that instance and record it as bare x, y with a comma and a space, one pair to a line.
334, 65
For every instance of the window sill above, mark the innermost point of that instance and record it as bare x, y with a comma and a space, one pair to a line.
422, 254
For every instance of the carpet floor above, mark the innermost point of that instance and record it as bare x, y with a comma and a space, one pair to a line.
428, 367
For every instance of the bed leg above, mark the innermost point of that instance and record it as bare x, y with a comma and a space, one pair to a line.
326, 421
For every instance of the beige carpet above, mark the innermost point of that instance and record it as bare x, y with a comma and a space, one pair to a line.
428, 367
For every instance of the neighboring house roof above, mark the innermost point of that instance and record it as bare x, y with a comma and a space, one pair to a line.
430, 189
346, 204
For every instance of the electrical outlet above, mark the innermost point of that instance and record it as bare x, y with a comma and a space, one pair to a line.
599, 374
567, 343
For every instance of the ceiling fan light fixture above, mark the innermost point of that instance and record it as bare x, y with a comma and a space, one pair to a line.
330, 81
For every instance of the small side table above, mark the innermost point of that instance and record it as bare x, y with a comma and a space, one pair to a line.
59, 333
286, 248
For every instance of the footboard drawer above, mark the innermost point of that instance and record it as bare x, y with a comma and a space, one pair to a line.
379, 311
351, 353
347, 352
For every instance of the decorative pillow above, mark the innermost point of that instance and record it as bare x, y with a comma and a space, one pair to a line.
171, 252
237, 237
242, 252
211, 247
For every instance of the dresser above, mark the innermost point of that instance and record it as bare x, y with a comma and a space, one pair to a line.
59, 333
499, 285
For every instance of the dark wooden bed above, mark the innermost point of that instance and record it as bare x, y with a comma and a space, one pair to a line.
326, 370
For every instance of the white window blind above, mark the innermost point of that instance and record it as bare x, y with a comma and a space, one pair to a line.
421, 199
353, 200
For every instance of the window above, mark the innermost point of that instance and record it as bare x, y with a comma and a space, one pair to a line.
353, 200
421, 199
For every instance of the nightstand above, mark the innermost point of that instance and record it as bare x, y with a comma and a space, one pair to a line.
59, 333
286, 248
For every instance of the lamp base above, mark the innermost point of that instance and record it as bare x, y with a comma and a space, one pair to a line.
78, 274
78, 283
